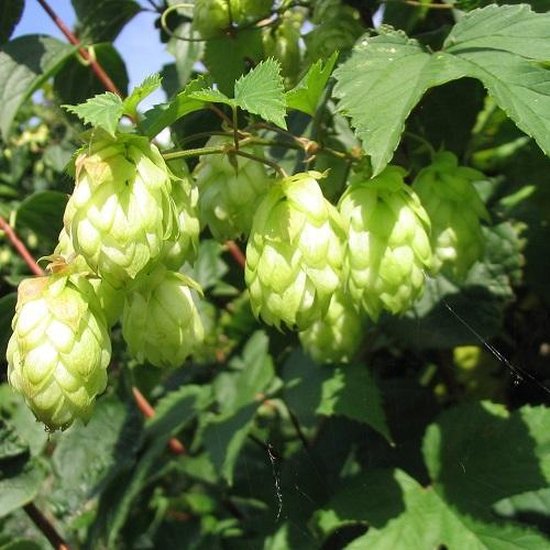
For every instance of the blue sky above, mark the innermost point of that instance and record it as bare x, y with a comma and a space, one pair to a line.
138, 43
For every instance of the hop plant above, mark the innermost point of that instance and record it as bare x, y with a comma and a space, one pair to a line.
229, 192
336, 337
60, 349
161, 323
184, 245
121, 211
388, 247
294, 254
447, 193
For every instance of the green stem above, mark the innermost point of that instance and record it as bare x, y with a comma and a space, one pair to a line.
194, 152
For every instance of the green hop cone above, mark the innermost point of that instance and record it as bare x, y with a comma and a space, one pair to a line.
294, 254
229, 193
447, 193
388, 247
111, 299
120, 212
60, 348
337, 336
161, 323
185, 245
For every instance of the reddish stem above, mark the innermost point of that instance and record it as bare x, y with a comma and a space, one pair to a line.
46, 527
20, 247
236, 252
96, 67
145, 407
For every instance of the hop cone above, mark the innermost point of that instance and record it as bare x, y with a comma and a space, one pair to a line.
294, 254
121, 211
184, 246
229, 193
161, 323
111, 299
336, 337
388, 245
455, 209
59, 351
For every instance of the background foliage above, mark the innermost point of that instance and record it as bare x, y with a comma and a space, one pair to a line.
436, 435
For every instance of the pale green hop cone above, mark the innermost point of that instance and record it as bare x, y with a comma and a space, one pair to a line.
388, 251
447, 193
294, 254
111, 299
337, 336
229, 193
161, 323
120, 212
184, 245
60, 348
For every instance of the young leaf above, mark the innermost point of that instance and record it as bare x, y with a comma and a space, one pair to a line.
213, 96
139, 93
305, 96
103, 111
261, 92
25, 63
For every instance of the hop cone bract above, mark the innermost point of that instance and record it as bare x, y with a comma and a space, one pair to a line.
161, 323
336, 337
447, 193
121, 211
60, 349
229, 193
294, 254
388, 245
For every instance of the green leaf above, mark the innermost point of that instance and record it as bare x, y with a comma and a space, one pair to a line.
19, 483
75, 82
102, 20
307, 93
25, 63
473, 451
261, 92
213, 96
209, 267
371, 91
228, 57
11, 445
532, 507
42, 213
165, 114
139, 93
10, 15
7, 311
103, 111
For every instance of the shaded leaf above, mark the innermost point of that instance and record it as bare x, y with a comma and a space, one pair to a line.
10, 14
261, 92
25, 63
307, 93
7, 311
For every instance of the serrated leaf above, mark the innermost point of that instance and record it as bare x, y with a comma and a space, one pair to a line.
25, 63
472, 453
10, 14
165, 114
209, 267
102, 20
261, 92
139, 93
103, 111
213, 96
380, 84
307, 93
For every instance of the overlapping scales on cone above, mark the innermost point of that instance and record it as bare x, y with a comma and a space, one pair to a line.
230, 189
121, 211
60, 349
337, 336
388, 250
447, 193
161, 323
294, 254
